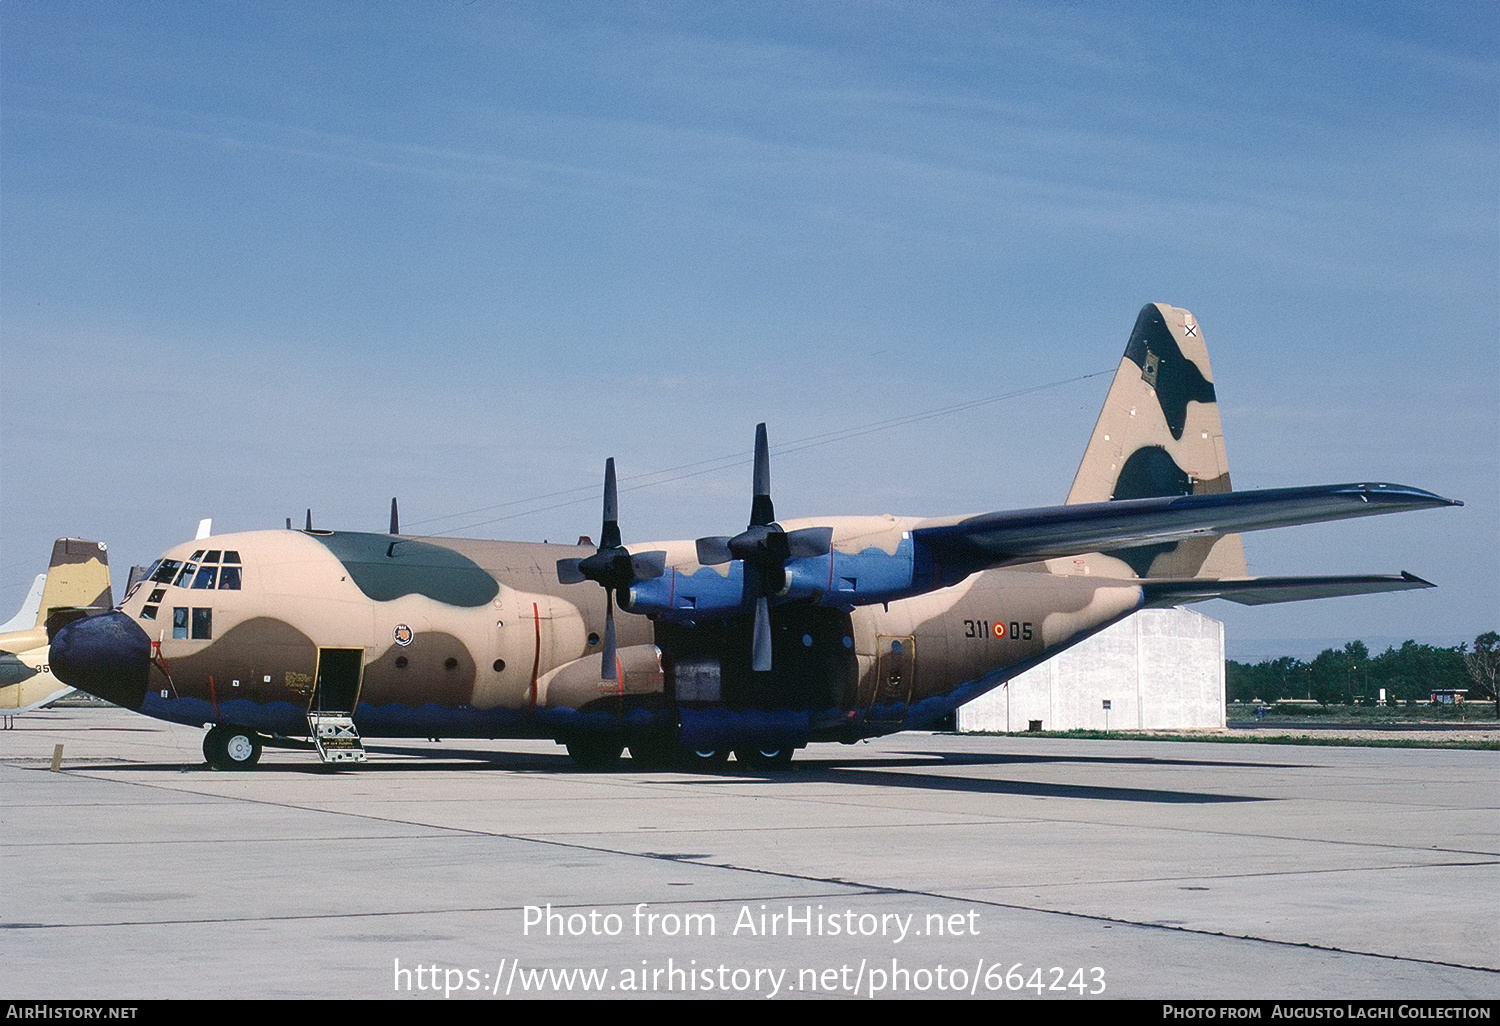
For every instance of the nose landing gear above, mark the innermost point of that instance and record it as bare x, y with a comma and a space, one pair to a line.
231, 748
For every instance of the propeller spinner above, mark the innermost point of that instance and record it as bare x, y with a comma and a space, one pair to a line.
765, 548
612, 566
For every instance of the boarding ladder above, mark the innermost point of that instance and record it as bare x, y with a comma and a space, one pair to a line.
335, 737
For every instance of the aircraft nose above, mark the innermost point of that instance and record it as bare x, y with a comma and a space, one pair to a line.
106, 655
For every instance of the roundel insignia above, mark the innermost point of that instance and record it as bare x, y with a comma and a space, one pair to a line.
998, 629
403, 635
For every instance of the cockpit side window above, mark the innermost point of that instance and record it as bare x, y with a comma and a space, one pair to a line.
229, 578
206, 577
166, 569
185, 578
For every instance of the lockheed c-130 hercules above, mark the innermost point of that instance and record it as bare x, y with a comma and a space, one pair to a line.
820, 629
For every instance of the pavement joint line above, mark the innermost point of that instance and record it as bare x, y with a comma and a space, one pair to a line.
1008, 821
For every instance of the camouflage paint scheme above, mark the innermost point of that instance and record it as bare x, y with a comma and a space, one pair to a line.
76, 579
899, 623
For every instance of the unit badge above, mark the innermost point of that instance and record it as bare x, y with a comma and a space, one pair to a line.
403, 635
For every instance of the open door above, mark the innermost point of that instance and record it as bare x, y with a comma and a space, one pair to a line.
330, 711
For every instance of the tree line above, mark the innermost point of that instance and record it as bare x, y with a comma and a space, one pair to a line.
1345, 676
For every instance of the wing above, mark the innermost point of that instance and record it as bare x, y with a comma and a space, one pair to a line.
956, 548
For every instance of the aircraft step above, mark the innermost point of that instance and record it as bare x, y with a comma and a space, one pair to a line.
335, 737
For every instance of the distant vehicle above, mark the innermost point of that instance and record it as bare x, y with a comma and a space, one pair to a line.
817, 629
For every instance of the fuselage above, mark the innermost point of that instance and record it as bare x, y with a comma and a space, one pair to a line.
442, 637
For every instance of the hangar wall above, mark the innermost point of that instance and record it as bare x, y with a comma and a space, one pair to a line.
1161, 669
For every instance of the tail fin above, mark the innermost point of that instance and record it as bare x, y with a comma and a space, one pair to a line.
1159, 434
26, 618
77, 578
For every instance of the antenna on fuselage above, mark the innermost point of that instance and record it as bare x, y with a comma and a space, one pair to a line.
395, 522
309, 521
288, 523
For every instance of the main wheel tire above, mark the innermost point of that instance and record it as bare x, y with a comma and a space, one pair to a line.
765, 757
706, 759
231, 748
595, 752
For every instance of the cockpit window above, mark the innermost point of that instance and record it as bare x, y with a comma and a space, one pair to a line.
232, 556
197, 555
229, 578
166, 570
186, 577
212, 557
206, 577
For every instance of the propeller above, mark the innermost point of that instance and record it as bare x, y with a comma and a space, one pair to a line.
765, 548
612, 566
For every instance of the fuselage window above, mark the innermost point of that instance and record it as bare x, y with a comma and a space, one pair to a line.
179, 622
157, 594
206, 577
148, 612
185, 578
166, 569
203, 624
229, 578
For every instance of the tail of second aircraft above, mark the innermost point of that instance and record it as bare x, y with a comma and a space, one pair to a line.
77, 581
1159, 435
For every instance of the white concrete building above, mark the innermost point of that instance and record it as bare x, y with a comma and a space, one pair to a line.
1159, 669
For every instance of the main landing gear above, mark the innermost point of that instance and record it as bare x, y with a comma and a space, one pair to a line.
765, 758
231, 748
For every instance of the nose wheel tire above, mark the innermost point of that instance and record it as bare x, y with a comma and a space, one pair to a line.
764, 758
231, 748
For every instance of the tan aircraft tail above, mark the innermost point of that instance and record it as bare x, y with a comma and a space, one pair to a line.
77, 579
1158, 435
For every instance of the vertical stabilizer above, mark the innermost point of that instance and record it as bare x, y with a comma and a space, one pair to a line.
77, 578
26, 617
1159, 434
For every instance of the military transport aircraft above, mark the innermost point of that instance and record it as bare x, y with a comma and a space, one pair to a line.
76, 584
818, 629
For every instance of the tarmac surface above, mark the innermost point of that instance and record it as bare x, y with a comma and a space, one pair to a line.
920, 865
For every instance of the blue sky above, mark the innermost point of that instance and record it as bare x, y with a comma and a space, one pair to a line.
260, 257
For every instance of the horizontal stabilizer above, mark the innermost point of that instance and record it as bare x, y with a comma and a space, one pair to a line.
965, 546
1260, 591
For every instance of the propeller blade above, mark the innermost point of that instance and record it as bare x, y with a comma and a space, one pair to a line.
762, 512
609, 669
713, 551
568, 572
609, 536
760, 645
809, 542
